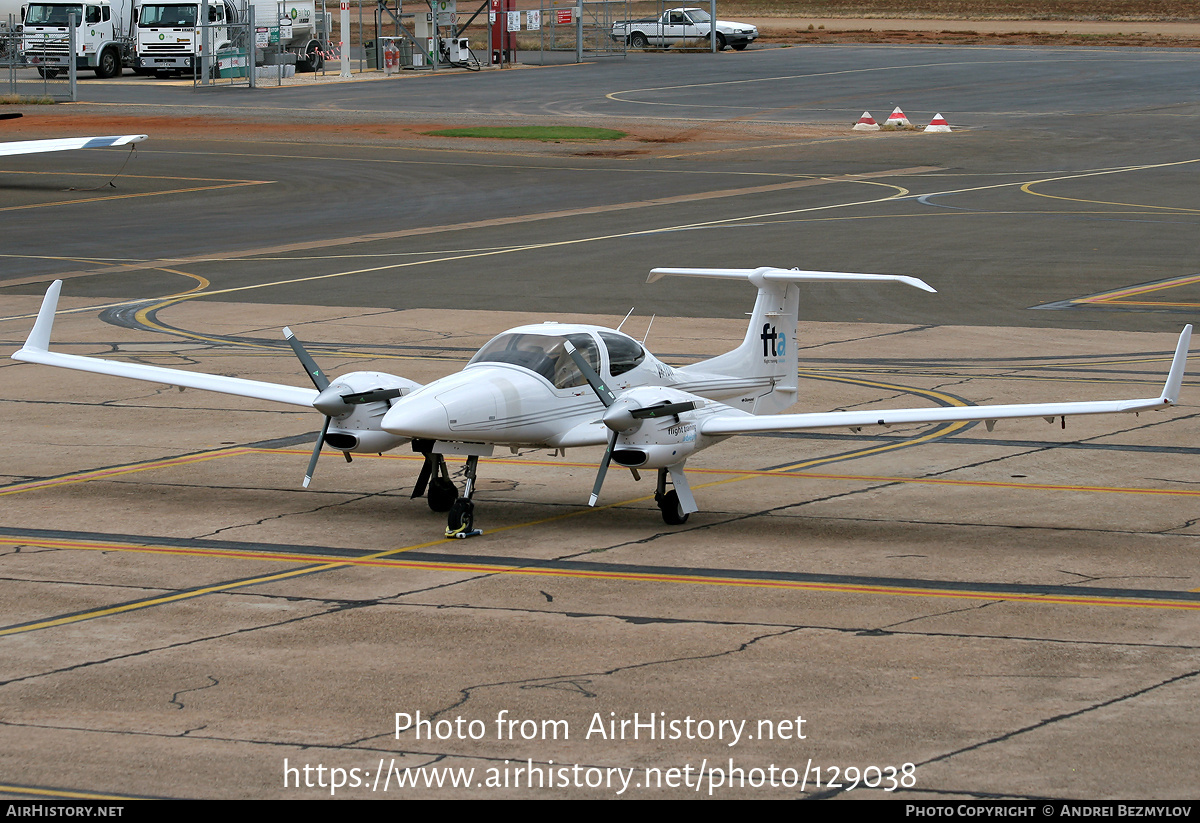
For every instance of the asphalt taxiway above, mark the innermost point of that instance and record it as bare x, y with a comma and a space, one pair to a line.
996, 609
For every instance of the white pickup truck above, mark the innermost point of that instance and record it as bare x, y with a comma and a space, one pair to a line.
679, 25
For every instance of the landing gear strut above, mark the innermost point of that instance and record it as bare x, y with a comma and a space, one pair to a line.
677, 504
436, 477
668, 502
461, 520
443, 494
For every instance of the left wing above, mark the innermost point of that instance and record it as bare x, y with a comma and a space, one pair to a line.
68, 144
37, 350
720, 425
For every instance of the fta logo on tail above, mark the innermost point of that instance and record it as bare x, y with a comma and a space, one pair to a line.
774, 342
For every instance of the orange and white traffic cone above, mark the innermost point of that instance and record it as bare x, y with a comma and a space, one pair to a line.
937, 124
897, 118
866, 123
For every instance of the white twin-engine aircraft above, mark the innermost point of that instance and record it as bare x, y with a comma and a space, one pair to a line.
560, 386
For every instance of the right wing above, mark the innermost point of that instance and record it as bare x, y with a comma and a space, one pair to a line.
37, 350
728, 424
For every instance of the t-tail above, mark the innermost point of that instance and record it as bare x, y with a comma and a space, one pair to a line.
765, 365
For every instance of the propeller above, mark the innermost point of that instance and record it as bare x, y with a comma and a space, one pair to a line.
329, 401
607, 398
322, 383
617, 416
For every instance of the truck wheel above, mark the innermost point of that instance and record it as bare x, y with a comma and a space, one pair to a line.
49, 74
109, 64
312, 60
720, 42
637, 40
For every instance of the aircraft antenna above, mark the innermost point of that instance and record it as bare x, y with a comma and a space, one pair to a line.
648, 325
626, 318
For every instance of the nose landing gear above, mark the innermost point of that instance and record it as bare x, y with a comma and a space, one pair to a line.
461, 520
443, 496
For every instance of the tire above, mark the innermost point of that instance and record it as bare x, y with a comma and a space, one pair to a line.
49, 74
637, 40
442, 494
672, 512
720, 42
109, 64
313, 61
740, 47
461, 518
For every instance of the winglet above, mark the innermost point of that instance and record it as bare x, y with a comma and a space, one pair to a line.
1178, 362
39, 338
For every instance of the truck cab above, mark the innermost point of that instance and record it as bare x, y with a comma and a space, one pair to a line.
45, 38
168, 39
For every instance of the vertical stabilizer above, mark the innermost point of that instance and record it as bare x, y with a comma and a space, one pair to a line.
767, 358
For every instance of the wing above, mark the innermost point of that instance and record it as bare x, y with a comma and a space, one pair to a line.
37, 350
719, 425
68, 144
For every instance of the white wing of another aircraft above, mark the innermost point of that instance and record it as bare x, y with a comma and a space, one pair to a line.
68, 144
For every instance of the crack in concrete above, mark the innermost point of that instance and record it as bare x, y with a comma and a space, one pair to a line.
468, 691
175, 701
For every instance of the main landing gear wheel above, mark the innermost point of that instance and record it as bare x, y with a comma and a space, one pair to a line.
442, 494
672, 512
462, 517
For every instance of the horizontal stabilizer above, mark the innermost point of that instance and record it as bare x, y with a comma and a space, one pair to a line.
765, 273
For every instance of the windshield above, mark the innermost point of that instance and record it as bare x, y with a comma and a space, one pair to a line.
43, 15
543, 354
698, 15
173, 15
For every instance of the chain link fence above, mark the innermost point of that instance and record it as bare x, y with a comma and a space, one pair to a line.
583, 28
231, 46
23, 79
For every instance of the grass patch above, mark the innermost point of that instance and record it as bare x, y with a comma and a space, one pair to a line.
544, 133
19, 100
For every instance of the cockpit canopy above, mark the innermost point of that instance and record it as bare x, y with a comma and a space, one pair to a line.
544, 354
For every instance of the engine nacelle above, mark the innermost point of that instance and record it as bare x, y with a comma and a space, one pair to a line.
655, 442
356, 428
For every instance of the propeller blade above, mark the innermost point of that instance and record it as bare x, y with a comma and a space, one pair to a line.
358, 398
312, 461
663, 410
612, 443
602, 391
314, 371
